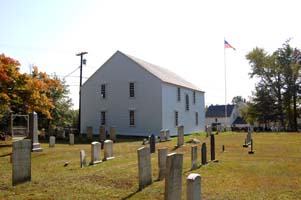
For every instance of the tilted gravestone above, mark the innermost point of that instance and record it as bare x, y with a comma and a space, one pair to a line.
89, 132
173, 178
152, 143
82, 156
71, 139
180, 135
113, 133
51, 141
33, 132
194, 157
193, 190
162, 153
204, 154
21, 160
102, 132
95, 153
144, 167
108, 150
212, 147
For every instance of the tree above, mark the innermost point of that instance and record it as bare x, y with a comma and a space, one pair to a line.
237, 99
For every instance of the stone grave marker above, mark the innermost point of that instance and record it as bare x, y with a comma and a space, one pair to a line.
108, 150
152, 143
33, 132
173, 178
95, 153
212, 147
193, 190
252, 150
89, 132
194, 157
113, 133
204, 154
51, 141
162, 153
21, 161
82, 156
180, 135
167, 135
71, 139
102, 132
162, 136
144, 167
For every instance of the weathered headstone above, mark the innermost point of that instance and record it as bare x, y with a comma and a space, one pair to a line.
82, 156
71, 139
252, 150
102, 132
194, 157
193, 190
167, 134
204, 154
162, 153
223, 148
144, 167
21, 160
108, 150
95, 153
51, 141
162, 136
180, 135
113, 133
33, 132
152, 144
89, 132
173, 178
212, 147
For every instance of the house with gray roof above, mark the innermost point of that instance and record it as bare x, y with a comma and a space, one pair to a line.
216, 115
140, 99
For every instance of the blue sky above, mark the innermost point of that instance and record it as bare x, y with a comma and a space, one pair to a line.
183, 36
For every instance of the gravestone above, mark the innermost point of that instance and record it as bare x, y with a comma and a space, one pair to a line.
252, 150
33, 132
113, 133
212, 147
95, 153
162, 136
152, 143
82, 156
89, 132
223, 148
71, 139
162, 153
204, 154
173, 178
194, 157
180, 135
144, 167
102, 132
167, 134
108, 150
51, 141
21, 160
193, 190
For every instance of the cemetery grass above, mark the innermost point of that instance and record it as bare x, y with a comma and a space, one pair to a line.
273, 172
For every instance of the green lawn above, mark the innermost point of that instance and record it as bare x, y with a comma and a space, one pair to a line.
273, 172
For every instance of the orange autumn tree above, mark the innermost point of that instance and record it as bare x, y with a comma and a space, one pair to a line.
24, 93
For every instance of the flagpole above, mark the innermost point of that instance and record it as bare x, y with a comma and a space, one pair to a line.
225, 71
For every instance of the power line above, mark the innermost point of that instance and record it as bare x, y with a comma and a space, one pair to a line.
71, 72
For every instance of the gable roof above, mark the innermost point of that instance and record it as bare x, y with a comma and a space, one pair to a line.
219, 111
240, 121
163, 74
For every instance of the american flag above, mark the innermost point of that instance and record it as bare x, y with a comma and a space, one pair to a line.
227, 45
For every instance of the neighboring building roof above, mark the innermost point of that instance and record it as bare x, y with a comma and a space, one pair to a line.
163, 74
240, 121
219, 111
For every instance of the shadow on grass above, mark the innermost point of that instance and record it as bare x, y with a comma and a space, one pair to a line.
130, 195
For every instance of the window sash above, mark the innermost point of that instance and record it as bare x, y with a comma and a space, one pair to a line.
176, 118
132, 89
132, 118
103, 118
103, 91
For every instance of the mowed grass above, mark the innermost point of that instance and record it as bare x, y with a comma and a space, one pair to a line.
273, 172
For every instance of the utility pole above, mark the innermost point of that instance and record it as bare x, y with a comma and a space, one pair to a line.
82, 61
